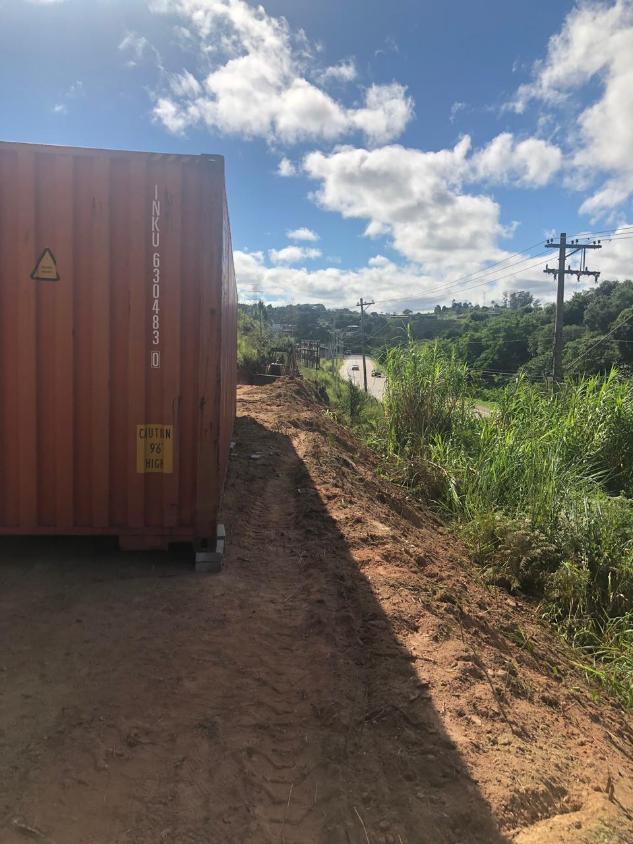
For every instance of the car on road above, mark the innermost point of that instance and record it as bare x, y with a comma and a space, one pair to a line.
376, 373
355, 368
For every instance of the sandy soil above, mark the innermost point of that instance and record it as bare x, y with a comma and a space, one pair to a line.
345, 679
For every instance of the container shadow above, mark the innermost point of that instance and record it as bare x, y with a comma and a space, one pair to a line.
270, 704
402, 777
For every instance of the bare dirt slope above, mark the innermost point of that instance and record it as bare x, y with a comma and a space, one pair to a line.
346, 679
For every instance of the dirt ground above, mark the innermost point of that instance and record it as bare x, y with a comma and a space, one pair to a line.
346, 680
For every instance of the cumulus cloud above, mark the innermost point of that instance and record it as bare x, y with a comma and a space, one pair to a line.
393, 286
286, 168
595, 45
420, 199
528, 163
302, 234
615, 259
258, 82
293, 254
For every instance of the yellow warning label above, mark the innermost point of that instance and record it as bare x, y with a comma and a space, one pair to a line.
155, 448
46, 267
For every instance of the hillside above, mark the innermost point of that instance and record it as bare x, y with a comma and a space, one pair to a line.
513, 335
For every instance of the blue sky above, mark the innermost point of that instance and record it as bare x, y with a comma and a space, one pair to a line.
389, 149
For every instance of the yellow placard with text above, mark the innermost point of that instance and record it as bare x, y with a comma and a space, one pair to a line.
155, 449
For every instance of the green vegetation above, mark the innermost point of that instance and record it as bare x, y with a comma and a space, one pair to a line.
542, 490
252, 345
496, 341
347, 403
255, 342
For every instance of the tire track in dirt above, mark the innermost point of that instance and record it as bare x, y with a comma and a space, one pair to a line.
279, 755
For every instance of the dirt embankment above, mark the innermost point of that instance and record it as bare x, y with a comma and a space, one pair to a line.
346, 679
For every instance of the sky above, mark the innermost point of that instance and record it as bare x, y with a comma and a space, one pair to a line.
407, 151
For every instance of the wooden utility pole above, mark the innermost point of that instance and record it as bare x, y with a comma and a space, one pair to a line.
574, 246
557, 369
362, 305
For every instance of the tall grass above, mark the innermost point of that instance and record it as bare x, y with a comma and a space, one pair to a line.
347, 402
426, 395
541, 489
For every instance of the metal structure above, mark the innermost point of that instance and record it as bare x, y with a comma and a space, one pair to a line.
309, 353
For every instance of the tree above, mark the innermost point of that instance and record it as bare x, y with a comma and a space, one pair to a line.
623, 335
519, 299
587, 356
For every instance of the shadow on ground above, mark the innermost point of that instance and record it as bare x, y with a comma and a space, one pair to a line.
140, 703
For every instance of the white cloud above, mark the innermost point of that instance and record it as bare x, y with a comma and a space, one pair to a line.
302, 234
184, 84
455, 109
138, 48
386, 113
528, 163
595, 44
256, 82
344, 71
135, 45
293, 254
379, 261
73, 92
393, 286
420, 200
615, 259
286, 168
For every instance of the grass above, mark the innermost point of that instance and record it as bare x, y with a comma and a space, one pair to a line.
541, 491
347, 403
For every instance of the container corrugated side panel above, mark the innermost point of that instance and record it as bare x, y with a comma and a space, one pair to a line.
75, 377
229, 346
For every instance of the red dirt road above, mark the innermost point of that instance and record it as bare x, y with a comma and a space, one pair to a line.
345, 679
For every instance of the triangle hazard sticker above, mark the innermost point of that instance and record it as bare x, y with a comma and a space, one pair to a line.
46, 267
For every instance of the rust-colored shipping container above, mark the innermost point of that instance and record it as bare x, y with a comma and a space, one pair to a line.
117, 343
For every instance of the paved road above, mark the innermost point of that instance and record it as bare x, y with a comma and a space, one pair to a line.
376, 386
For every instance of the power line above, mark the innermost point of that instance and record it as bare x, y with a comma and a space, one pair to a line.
597, 343
602, 231
472, 276
621, 233
447, 288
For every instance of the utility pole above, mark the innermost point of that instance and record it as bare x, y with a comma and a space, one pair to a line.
573, 246
362, 305
335, 346
260, 308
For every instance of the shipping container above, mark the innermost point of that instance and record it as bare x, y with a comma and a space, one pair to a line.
118, 317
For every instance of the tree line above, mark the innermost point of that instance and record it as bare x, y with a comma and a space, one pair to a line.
507, 337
